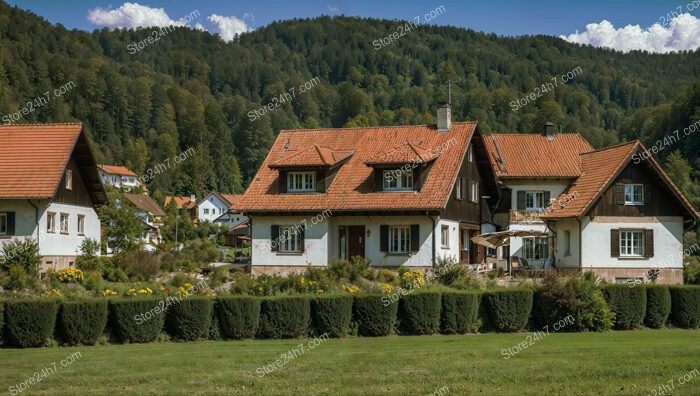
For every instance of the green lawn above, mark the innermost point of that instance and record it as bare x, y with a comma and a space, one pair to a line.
625, 363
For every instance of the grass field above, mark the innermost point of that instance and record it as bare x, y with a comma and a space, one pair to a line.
612, 363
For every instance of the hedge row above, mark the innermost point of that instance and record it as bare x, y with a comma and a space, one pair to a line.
30, 323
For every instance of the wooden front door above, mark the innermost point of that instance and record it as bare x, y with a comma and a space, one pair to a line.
356, 241
464, 243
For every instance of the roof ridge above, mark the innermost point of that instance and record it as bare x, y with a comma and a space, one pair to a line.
40, 124
636, 141
375, 127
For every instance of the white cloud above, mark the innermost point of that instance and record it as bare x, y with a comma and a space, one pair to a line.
333, 9
682, 33
228, 27
250, 16
131, 15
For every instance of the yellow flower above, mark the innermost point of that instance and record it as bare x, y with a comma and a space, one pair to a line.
161, 288
53, 292
302, 280
387, 289
108, 293
319, 291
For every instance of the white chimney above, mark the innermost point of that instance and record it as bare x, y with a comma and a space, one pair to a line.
444, 118
192, 198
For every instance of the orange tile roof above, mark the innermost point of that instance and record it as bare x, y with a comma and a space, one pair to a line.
33, 158
407, 153
311, 156
181, 202
353, 187
231, 199
116, 170
598, 170
145, 203
535, 156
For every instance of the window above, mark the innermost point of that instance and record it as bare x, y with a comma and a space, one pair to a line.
398, 179
301, 181
567, 243
631, 243
474, 192
399, 239
3, 223
290, 241
491, 252
634, 194
534, 200
50, 222
81, 225
343, 243
536, 248
470, 153
64, 223
459, 192
69, 180
445, 236
206, 211
505, 252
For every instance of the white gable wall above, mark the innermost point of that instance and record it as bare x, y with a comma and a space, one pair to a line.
214, 207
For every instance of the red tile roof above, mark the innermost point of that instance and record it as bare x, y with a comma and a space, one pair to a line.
181, 202
353, 187
116, 170
231, 199
407, 153
536, 156
33, 158
311, 156
145, 203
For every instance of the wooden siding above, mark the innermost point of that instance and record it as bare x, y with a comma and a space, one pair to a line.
464, 210
79, 194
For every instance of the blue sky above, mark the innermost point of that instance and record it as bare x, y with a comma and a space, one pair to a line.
504, 17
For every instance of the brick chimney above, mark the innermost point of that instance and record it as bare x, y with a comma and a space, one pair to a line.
444, 118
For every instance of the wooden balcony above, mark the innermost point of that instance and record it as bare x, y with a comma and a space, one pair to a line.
526, 216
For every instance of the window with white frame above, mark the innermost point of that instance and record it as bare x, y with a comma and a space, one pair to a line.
536, 248
459, 192
445, 236
398, 179
81, 225
289, 239
474, 191
534, 200
206, 211
64, 223
69, 179
631, 243
470, 153
634, 194
301, 181
399, 239
50, 222
3, 223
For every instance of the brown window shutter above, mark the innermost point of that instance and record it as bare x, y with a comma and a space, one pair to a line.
547, 197
10, 223
521, 200
378, 180
464, 187
384, 238
648, 194
320, 181
416, 178
619, 194
415, 235
648, 243
614, 243
302, 237
275, 237
283, 182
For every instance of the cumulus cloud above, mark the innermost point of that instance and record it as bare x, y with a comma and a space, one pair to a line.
131, 15
228, 27
333, 9
682, 33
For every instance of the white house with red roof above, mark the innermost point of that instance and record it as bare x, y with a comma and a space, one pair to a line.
120, 177
220, 208
49, 190
397, 195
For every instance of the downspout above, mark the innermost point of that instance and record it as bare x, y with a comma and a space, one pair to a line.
433, 233
580, 242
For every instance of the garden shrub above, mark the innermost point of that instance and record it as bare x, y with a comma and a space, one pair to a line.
81, 322
332, 314
136, 320
460, 312
374, 315
628, 302
284, 317
578, 298
189, 319
2, 318
214, 330
685, 306
29, 323
658, 306
419, 313
508, 309
139, 265
238, 316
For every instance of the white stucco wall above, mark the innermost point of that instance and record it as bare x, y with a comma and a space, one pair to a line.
668, 242
214, 206
231, 219
555, 187
516, 244
562, 259
315, 242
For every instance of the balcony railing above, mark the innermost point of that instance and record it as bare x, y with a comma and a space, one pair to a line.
526, 216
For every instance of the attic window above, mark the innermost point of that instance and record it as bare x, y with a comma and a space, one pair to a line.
301, 181
634, 194
69, 179
398, 179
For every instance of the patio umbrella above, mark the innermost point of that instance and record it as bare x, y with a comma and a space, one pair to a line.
502, 238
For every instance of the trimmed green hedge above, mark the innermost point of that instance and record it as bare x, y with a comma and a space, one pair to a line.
658, 306
628, 302
419, 313
460, 312
136, 320
238, 316
685, 306
284, 317
189, 319
29, 323
332, 314
81, 322
2, 319
374, 315
508, 309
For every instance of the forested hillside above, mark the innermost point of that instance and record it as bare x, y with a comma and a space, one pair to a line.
189, 89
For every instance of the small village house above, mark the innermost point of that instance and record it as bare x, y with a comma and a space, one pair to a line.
120, 177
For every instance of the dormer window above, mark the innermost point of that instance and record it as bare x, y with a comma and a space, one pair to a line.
301, 181
398, 179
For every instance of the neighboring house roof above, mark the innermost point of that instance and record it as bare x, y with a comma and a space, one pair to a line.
311, 156
116, 170
516, 155
231, 199
353, 187
145, 203
181, 202
407, 153
598, 170
33, 159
